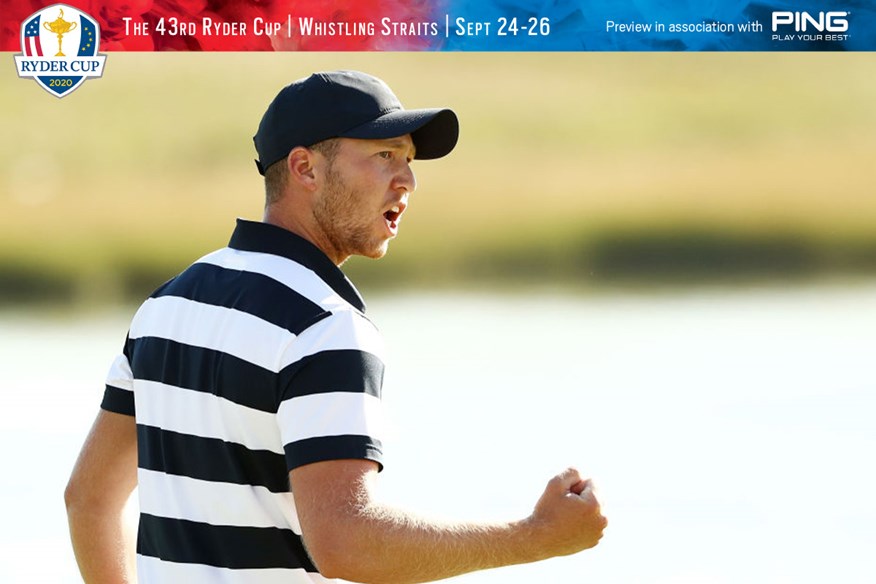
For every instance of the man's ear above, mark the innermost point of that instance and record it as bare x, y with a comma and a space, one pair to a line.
299, 164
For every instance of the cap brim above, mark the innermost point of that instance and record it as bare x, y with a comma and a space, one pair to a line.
434, 131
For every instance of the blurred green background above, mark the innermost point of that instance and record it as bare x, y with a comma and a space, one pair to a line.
583, 170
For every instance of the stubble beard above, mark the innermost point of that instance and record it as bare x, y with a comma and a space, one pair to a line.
340, 215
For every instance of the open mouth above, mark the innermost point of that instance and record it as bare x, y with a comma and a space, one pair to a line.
392, 216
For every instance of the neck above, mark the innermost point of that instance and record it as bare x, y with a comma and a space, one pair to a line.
293, 222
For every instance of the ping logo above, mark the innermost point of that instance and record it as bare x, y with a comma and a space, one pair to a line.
803, 21
59, 49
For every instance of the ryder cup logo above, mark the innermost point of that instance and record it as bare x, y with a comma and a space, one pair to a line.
59, 49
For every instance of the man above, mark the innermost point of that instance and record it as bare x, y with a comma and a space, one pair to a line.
245, 405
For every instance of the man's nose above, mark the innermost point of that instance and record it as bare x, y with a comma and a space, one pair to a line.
406, 180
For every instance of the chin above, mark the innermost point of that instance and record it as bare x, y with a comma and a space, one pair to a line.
378, 252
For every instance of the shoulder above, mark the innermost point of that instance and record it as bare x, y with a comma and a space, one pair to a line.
341, 330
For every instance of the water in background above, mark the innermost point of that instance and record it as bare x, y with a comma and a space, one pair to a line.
731, 434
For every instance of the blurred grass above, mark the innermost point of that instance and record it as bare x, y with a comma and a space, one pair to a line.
582, 169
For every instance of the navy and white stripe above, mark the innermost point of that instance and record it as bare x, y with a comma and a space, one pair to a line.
254, 361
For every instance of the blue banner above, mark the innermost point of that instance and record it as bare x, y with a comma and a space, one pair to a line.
660, 25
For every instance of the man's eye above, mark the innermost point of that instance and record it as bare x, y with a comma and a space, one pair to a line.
385, 154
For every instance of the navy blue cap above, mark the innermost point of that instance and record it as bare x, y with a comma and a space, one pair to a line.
348, 104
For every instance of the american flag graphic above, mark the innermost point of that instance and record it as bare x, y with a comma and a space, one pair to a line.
32, 46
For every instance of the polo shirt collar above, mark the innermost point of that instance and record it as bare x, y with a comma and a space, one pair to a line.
266, 238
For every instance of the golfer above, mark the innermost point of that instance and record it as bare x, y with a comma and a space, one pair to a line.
245, 404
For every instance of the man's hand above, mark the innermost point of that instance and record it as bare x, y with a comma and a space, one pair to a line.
567, 517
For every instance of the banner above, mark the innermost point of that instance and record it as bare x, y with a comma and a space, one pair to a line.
466, 25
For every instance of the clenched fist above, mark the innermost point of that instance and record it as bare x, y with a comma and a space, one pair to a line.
567, 517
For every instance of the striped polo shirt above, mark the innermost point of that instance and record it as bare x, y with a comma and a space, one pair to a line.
255, 360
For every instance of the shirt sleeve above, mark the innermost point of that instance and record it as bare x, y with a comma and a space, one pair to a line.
118, 396
330, 407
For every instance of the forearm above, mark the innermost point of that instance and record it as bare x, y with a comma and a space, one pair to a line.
397, 547
104, 541
367, 540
